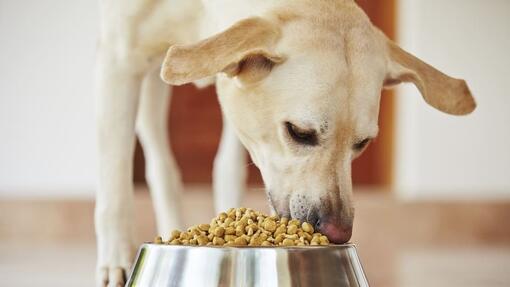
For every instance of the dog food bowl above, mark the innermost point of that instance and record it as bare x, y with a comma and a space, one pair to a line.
191, 266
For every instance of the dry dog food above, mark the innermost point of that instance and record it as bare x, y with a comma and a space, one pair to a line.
244, 226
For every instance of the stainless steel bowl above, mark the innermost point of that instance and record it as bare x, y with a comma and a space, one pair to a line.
170, 265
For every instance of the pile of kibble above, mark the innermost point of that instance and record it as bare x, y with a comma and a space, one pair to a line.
244, 226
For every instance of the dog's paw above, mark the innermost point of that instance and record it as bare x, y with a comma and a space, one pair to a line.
115, 256
111, 277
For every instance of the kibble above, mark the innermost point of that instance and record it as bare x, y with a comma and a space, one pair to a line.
292, 229
244, 226
269, 225
204, 227
219, 231
307, 227
240, 241
174, 234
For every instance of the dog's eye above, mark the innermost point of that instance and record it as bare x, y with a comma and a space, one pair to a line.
305, 137
361, 144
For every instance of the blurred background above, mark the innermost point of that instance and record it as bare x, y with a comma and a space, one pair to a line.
432, 194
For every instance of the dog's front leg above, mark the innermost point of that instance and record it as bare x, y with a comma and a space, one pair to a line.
117, 103
229, 170
161, 171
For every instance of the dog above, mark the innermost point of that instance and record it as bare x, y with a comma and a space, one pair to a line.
299, 84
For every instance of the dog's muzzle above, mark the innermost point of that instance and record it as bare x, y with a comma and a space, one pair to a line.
335, 225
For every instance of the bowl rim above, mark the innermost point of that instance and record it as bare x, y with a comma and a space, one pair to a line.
330, 246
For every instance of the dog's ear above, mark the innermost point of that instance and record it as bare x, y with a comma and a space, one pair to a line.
444, 93
244, 48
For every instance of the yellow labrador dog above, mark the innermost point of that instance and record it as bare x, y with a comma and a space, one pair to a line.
299, 84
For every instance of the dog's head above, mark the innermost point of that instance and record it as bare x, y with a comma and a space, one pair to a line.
302, 89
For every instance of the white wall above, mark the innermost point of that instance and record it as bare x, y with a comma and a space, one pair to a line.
46, 97
439, 156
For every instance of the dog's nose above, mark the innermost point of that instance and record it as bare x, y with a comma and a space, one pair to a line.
336, 232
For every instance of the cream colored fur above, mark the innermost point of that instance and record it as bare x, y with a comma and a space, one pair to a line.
319, 65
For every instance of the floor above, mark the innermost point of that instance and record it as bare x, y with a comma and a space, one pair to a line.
51, 243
